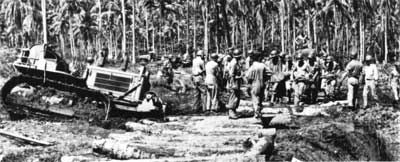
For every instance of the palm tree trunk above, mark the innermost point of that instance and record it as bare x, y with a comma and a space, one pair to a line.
244, 39
309, 29
194, 25
187, 27
72, 39
206, 29
153, 46
282, 21
315, 40
147, 29
385, 36
62, 42
361, 27
133, 32
44, 19
100, 27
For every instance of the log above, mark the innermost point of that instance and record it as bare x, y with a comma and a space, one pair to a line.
264, 146
25, 139
132, 127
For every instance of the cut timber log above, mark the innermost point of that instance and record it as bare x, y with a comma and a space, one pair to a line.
123, 150
132, 127
264, 146
25, 139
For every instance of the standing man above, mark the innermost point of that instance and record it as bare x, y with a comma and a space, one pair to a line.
257, 76
198, 80
394, 81
234, 83
211, 80
315, 74
353, 71
370, 72
300, 75
329, 73
167, 71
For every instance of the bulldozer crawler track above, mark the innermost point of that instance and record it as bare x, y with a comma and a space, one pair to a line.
34, 81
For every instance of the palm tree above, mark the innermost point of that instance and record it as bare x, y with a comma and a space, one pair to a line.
69, 8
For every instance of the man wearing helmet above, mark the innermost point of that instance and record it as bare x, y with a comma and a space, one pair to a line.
329, 72
300, 74
315, 74
197, 77
212, 80
277, 78
257, 76
395, 80
353, 71
234, 83
370, 72
287, 68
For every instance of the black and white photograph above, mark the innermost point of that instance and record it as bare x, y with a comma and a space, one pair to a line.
199, 80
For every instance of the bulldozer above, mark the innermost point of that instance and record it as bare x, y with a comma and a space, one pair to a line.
112, 89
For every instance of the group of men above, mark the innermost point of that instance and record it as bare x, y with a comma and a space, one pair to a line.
278, 76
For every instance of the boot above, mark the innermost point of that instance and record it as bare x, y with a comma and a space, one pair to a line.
232, 114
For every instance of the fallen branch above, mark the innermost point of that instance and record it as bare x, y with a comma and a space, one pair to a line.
25, 139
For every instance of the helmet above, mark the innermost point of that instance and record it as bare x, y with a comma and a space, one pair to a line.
368, 58
353, 54
329, 59
214, 56
199, 53
250, 52
274, 53
299, 56
236, 53
287, 57
311, 55
90, 59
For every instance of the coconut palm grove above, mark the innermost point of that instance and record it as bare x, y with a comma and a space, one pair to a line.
199, 80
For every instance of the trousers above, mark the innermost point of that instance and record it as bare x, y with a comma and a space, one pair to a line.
352, 86
369, 86
299, 90
212, 97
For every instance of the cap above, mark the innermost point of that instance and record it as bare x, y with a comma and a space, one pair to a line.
236, 53
299, 56
368, 58
199, 53
329, 59
214, 56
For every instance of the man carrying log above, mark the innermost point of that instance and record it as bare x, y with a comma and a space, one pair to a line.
212, 81
370, 72
234, 83
198, 80
257, 77
353, 71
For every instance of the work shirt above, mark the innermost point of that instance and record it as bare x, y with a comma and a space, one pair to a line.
275, 68
301, 71
212, 71
257, 75
198, 66
234, 74
370, 72
354, 68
